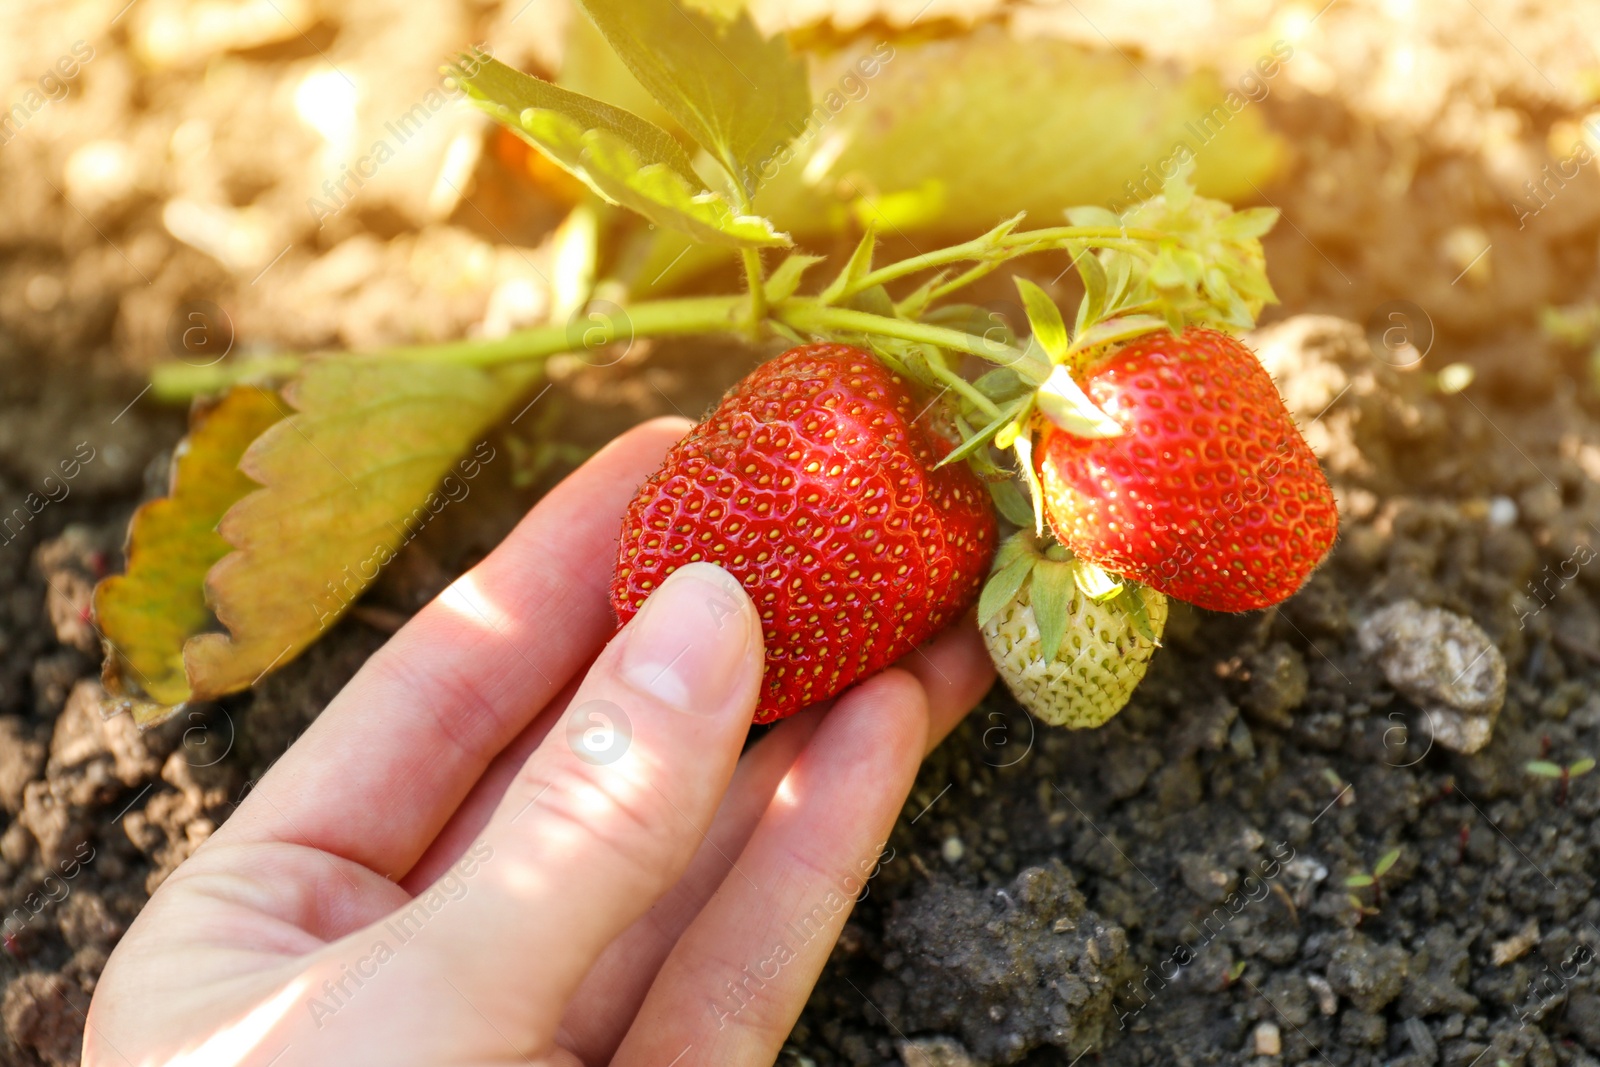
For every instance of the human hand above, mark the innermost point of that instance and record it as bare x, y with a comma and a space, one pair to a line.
449, 868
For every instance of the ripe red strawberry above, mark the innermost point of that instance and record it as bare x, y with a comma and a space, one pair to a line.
1210, 495
812, 483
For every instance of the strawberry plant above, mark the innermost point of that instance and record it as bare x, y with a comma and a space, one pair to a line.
1372, 880
1564, 774
857, 485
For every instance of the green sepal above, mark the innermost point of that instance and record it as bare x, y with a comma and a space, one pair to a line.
1002, 588
1131, 600
858, 267
785, 281
1045, 319
917, 302
1095, 287
874, 301
1114, 331
1023, 446
1051, 597
1010, 502
1001, 384
1062, 400
1098, 584
978, 440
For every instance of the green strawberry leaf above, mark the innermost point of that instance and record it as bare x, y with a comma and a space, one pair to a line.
742, 96
505, 93
1051, 596
622, 157
149, 612
1004, 122
1583, 766
1357, 881
1385, 863
1002, 588
1045, 319
351, 475
1543, 768
1063, 402
785, 281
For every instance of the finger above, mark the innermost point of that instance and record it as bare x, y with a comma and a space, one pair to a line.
473, 814
955, 671
608, 999
390, 759
734, 985
585, 840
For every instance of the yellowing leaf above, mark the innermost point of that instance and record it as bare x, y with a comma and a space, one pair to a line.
1006, 125
741, 95
350, 477
149, 612
619, 155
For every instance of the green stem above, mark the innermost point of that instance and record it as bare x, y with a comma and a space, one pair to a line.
652, 318
755, 277
758, 290
807, 314
1129, 240
965, 388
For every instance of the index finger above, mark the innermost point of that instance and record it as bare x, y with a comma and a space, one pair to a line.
386, 764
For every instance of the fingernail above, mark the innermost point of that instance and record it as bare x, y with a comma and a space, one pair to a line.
690, 645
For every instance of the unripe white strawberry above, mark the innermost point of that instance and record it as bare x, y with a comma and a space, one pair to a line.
1069, 658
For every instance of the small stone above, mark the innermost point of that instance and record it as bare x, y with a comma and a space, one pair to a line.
1064, 926
1421, 1040
935, 1052
1278, 685
952, 850
1368, 973
21, 761
1517, 945
1445, 664
1502, 512
1327, 999
1269, 1042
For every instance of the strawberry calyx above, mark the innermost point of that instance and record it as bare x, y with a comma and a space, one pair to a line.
1052, 574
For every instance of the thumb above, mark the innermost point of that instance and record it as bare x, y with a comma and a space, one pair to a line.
605, 815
